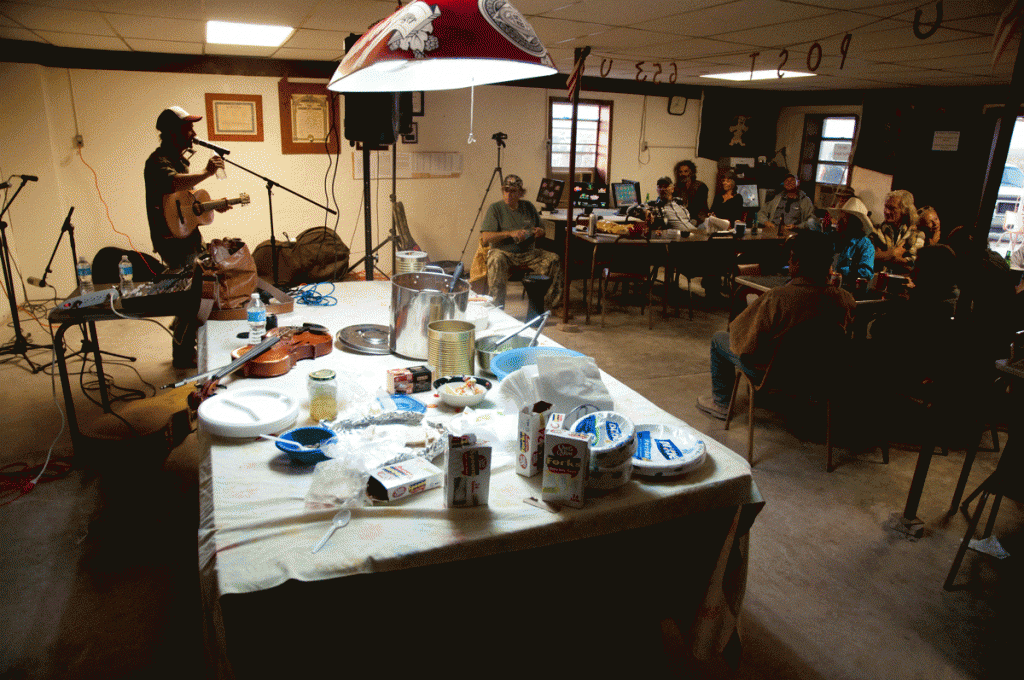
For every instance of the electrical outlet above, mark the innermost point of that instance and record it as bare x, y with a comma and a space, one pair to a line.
79, 142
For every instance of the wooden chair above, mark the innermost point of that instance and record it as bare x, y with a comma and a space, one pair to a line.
806, 362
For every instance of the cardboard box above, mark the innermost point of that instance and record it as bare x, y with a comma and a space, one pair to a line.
467, 475
532, 423
566, 461
409, 380
413, 476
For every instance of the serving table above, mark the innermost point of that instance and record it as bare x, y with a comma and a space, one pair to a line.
649, 575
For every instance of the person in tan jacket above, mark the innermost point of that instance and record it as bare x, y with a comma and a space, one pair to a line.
754, 335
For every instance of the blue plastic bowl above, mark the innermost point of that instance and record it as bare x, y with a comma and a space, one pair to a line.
514, 359
306, 436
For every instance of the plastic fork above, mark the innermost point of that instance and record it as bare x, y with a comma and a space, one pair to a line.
340, 520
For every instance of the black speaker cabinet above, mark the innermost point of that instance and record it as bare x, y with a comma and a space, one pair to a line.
368, 117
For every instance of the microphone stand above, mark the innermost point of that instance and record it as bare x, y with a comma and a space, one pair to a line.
90, 343
270, 206
20, 344
499, 138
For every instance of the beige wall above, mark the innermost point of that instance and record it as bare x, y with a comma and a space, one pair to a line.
115, 112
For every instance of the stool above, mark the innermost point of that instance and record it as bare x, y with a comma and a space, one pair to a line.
536, 287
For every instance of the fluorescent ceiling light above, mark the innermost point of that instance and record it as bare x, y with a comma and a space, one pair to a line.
230, 33
769, 74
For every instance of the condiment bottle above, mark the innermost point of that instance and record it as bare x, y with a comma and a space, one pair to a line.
323, 395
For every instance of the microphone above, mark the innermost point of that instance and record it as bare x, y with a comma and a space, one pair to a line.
4, 185
221, 151
33, 281
27, 178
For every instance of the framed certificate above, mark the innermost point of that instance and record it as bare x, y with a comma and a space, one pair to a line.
234, 117
309, 118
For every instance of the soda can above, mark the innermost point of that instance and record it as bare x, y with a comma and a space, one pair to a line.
883, 281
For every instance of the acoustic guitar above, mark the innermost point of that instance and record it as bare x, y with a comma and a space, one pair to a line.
185, 210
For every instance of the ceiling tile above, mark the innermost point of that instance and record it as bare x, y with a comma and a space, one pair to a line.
738, 16
951, 10
824, 29
304, 38
552, 31
351, 16
270, 12
154, 28
927, 49
172, 9
15, 33
53, 19
164, 46
84, 42
613, 12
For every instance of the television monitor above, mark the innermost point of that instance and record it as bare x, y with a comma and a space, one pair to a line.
626, 192
588, 196
550, 192
748, 190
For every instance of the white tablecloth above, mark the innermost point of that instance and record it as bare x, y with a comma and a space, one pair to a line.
256, 533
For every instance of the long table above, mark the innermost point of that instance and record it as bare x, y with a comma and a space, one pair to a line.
697, 254
655, 561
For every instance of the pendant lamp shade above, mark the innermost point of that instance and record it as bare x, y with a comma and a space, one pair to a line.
443, 45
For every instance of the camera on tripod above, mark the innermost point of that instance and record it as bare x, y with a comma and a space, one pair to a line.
499, 138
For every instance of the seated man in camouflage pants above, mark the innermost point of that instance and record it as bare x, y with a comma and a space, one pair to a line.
510, 230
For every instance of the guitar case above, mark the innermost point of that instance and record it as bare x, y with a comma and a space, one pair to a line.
318, 254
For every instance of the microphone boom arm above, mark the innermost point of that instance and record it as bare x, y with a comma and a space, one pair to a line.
70, 229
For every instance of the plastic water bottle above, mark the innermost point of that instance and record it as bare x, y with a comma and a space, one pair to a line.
84, 268
221, 173
256, 313
124, 270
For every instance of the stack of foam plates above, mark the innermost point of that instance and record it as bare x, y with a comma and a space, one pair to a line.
612, 447
667, 451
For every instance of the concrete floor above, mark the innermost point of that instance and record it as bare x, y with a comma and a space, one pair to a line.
87, 592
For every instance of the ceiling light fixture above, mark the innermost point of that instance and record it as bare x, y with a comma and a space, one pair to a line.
443, 45
257, 35
768, 74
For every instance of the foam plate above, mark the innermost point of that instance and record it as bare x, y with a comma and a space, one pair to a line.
667, 451
248, 413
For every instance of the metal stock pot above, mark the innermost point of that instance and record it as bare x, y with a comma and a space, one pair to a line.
417, 298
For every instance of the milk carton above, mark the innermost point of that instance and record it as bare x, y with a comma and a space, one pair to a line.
566, 460
467, 475
532, 421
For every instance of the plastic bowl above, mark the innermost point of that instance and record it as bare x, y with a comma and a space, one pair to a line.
514, 359
306, 436
444, 390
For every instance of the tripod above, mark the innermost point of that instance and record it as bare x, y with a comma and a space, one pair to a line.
499, 138
20, 344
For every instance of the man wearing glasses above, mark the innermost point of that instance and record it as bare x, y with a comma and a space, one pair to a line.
510, 231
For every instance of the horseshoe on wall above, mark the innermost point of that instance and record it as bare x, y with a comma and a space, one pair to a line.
934, 27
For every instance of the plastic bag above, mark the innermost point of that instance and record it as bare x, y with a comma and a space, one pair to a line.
339, 482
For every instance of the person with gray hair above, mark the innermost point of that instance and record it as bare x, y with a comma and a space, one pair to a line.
897, 239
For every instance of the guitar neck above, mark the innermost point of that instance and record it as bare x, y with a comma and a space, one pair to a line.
215, 205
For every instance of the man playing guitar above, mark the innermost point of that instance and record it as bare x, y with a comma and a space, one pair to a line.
166, 172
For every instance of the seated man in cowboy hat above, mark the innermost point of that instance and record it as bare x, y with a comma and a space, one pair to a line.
855, 253
510, 230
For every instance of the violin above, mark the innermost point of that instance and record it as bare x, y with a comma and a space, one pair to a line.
307, 341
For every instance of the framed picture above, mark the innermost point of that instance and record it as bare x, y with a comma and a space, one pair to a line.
309, 118
413, 136
417, 103
234, 117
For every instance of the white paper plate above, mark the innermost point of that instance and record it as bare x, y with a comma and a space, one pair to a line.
666, 451
248, 413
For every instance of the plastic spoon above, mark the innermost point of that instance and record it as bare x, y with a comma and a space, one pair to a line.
340, 520
291, 442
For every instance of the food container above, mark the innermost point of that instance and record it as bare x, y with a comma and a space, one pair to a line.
467, 475
462, 390
667, 451
450, 347
478, 312
532, 422
410, 261
398, 480
566, 459
417, 299
486, 349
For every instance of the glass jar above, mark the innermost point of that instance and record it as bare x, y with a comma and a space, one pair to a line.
323, 394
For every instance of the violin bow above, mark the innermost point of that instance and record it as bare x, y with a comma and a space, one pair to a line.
218, 373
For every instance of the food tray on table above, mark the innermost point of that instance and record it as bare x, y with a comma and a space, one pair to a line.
514, 359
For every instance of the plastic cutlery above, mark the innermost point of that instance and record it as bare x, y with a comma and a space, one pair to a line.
340, 520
